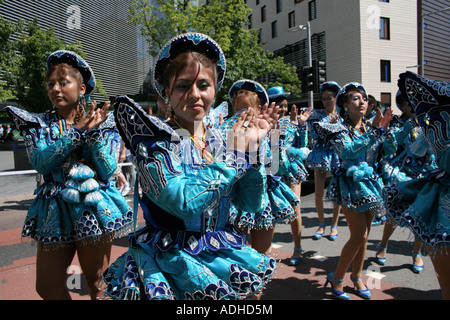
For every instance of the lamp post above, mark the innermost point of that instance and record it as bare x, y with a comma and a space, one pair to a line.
422, 29
307, 27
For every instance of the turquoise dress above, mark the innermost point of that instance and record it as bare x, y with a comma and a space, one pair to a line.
322, 157
188, 249
423, 204
294, 152
357, 184
278, 200
412, 158
76, 202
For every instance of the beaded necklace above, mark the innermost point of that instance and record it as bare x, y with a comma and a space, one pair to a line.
206, 155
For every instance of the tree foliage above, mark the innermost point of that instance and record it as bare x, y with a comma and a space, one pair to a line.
224, 21
24, 50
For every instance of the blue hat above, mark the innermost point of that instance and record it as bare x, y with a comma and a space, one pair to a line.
345, 89
429, 99
277, 92
74, 60
332, 85
188, 42
249, 85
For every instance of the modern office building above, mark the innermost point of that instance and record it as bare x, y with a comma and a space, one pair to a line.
114, 48
366, 41
436, 38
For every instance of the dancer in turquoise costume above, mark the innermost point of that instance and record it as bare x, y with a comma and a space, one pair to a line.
323, 158
356, 186
423, 204
75, 209
189, 176
294, 146
411, 160
279, 201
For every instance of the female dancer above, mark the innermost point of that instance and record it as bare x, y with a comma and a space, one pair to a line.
189, 176
294, 142
423, 204
410, 161
356, 186
279, 200
76, 209
323, 158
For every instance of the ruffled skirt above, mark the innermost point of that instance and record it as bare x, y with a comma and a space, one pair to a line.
146, 272
296, 171
54, 221
323, 157
359, 189
423, 206
278, 207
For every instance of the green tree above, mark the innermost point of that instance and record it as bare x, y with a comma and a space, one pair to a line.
24, 58
223, 20
7, 59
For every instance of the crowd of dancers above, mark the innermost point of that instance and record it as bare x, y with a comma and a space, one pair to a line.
209, 176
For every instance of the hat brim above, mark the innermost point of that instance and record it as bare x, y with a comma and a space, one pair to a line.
249, 85
188, 42
74, 60
345, 89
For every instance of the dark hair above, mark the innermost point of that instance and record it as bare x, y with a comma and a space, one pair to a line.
332, 90
346, 98
64, 69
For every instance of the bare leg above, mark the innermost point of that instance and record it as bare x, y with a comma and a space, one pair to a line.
94, 259
262, 242
319, 186
296, 225
51, 272
388, 230
441, 263
355, 248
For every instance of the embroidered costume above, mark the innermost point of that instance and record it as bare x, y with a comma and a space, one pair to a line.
423, 204
188, 249
323, 156
278, 201
76, 202
356, 185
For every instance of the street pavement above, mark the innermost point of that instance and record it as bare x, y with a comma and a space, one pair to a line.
394, 281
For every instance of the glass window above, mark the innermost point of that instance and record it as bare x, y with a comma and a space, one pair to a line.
385, 28
312, 10
291, 18
274, 29
385, 66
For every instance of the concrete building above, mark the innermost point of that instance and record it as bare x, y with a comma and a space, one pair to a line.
114, 48
366, 41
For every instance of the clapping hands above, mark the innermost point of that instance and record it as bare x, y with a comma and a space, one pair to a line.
93, 118
251, 128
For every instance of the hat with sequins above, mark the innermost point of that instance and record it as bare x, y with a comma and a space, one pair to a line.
188, 42
74, 60
346, 89
249, 85
330, 85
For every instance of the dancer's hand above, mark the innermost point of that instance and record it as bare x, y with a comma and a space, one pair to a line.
93, 118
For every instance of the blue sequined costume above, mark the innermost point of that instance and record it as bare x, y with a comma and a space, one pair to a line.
412, 158
76, 202
277, 205
357, 184
423, 204
323, 156
188, 248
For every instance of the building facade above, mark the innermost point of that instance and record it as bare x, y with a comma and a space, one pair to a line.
115, 51
365, 41
436, 38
